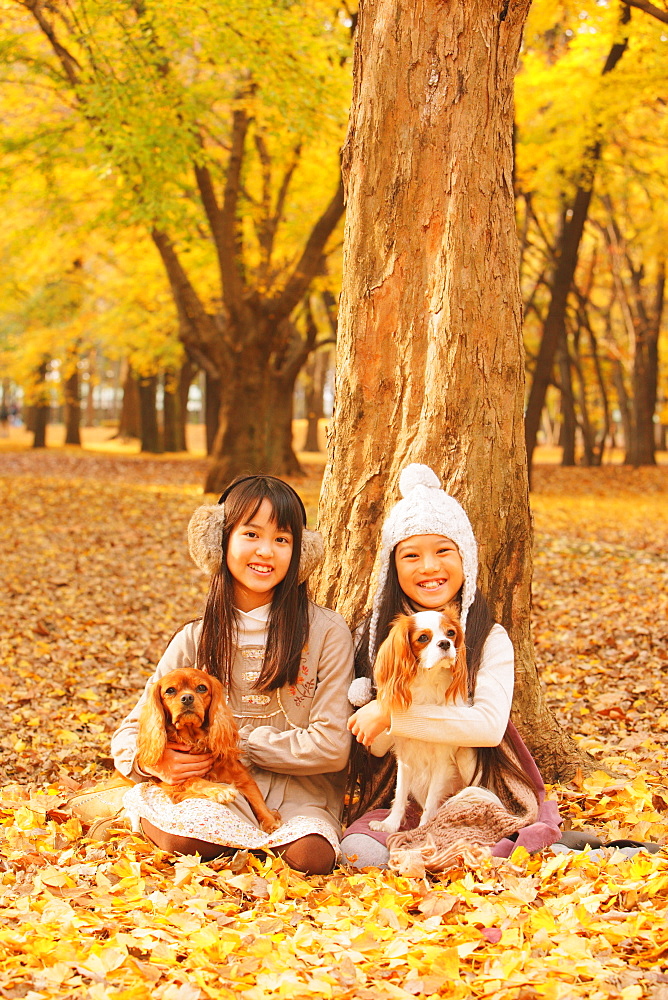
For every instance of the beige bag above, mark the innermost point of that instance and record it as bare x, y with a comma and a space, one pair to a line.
100, 802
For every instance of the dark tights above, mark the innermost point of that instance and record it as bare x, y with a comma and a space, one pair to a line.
312, 854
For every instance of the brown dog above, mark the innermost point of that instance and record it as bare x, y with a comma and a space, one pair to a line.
188, 706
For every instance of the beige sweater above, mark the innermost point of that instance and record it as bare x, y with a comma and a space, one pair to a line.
296, 739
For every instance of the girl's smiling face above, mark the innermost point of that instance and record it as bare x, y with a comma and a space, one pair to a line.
429, 568
258, 557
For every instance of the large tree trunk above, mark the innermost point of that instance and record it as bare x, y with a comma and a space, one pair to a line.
255, 424
72, 408
430, 356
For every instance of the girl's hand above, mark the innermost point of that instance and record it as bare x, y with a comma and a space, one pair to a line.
369, 722
177, 765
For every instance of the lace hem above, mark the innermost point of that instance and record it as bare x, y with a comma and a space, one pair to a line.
214, 823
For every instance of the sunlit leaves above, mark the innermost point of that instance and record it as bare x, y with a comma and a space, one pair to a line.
96, 577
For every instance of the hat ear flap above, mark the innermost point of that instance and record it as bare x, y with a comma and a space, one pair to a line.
205, 537
312, 554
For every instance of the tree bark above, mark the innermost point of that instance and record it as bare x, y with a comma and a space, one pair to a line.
430, 365
255, 424
72, 408
150, 432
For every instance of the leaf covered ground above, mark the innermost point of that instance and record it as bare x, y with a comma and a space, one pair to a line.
96, 577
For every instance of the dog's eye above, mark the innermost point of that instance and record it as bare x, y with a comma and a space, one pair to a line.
170, 690
201, 689
451, 633
423, 638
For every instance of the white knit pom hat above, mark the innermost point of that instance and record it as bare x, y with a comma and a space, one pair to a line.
425, 509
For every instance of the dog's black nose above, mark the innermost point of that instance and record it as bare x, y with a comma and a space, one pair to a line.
187, 699
444, 644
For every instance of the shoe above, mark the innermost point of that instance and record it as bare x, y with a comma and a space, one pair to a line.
577, 840
645, 845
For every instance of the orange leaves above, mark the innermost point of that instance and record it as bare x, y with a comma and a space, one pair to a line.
119, 921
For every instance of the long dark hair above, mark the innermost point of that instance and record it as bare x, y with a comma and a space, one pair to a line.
289, 615
371, 780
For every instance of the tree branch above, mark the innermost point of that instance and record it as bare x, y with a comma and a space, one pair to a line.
230, 239
69, 63
197, 330
649, 8
282, 304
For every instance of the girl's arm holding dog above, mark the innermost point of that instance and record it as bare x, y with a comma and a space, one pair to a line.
175, 766
323, 746
482, 723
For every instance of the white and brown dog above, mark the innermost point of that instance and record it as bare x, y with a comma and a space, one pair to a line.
423, 662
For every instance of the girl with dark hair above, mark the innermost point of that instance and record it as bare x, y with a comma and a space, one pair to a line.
428, 560
285, 665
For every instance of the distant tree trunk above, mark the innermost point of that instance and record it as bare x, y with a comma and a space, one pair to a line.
176, 385
212, 398
40, 408
72, 408
430, 358
172, 430
187, 373
316, 371
89, 413
129, 425
623, 402
566, 262
567, 433
646, 370
150, 432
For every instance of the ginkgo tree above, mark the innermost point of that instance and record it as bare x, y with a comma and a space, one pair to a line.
591, 131
217, 130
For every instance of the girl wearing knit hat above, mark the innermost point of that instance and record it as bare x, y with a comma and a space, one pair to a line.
429, 558
285, 665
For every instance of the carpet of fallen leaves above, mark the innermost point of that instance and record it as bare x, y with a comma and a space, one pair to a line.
96, 577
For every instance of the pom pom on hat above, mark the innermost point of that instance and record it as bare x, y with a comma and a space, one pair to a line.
417, 475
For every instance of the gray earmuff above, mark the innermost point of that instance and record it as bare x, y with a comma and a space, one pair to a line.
205, 532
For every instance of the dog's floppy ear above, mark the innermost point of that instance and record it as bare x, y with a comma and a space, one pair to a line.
152, 734
459, 685
396, 665
222, 727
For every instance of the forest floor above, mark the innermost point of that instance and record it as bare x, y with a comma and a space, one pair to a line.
96, 577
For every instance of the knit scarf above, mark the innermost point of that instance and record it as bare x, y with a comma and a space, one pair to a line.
466, 826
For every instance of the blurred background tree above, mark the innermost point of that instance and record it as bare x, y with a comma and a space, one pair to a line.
188, 158
216, 130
